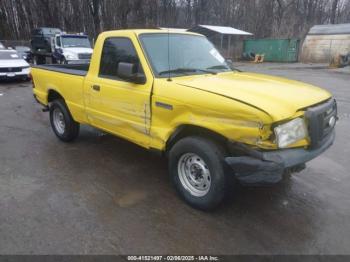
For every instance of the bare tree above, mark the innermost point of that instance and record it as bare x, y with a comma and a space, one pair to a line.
334, 11
95, 9
264, 18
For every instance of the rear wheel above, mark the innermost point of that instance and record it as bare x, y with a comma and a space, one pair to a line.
197, 169
62, 123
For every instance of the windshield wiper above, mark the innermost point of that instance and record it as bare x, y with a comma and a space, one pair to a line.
218, 67
224, 67
186, 70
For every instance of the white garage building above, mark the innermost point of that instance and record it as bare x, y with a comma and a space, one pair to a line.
325, 42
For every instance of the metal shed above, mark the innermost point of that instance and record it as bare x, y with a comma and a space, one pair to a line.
223, 37
324, 42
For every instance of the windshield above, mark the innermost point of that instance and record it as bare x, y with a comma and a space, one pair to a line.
189, 54
75, 41
49, 31
6, 55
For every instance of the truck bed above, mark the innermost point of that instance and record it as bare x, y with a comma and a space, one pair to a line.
74, 69
67, 81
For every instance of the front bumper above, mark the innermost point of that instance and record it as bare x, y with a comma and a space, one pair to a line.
77, 62
15, 75
269, 167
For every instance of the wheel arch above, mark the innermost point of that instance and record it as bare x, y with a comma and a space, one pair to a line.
193, 130
52, 95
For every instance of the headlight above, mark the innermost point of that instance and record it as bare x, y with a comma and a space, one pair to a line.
71, 56
290, 132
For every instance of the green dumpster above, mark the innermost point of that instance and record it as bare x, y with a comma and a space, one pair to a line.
275, 50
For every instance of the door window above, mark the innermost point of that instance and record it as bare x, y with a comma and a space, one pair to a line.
115, 51
58, 41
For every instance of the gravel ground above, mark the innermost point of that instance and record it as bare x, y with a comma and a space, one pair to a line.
102, 195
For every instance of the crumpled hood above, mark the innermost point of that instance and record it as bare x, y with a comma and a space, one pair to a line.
13, 63
78, 50
280, 98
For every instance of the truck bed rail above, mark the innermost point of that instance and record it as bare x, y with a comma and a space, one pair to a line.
76, 69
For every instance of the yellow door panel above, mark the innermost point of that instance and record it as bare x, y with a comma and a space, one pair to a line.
120, 107
114, 104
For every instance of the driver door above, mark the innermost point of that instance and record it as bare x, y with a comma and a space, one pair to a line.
117, 105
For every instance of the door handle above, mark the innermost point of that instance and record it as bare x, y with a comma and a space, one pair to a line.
96, 88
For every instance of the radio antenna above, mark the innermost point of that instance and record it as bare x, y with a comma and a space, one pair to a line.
169, 74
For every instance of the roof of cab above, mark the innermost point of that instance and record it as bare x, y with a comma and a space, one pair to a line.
148, 31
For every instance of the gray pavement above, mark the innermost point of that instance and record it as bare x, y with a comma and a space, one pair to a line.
102, 195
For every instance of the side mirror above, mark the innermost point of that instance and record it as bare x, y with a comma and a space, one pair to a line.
127, 71
229, 62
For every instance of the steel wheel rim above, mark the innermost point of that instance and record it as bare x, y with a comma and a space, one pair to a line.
58, 121
194, 174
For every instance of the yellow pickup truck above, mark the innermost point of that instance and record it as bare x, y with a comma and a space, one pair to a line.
175, 94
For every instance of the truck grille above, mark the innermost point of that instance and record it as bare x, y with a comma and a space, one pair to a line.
84, 56
10, 70
320, 123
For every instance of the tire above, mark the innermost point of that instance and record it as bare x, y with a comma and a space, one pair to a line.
207, 158
63, 61
62, 123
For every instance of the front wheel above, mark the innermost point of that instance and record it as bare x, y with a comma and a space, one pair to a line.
63, 61
62, 123
25, 78
197, 169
